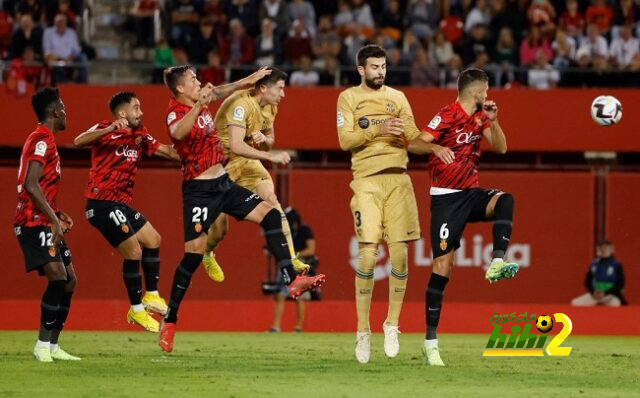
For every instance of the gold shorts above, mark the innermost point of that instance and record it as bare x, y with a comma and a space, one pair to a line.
248, 173
384, 206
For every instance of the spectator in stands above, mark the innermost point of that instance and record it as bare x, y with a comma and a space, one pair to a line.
278, 12
344, 18
572, 21
247, 12
203, 42
6, 31
480, 14
440, 50
306, 76
453, 70
213, 10
625, 12
391, 22
505, 58
421, 17
601, 15
541, 75
410, 46
533, 43
27, 35
477, 42
303, 11
237, 48
508, 15
564, 50
184, 19
162, 58
268, 47
624, 48
453, 29
212, 73
594, 43
142, 14
542, 14
397, 69
33, 8
423, 72
24, 70
305, 244
297, 44
64, 7
326, 44
181, 56
362, 14
61, 48
330, 75
604, 280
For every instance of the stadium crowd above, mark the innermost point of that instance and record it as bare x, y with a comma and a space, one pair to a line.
539, 43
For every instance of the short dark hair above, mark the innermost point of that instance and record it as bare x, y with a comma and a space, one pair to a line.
43, 100
121, 98
269, 80
469, 76
604, 243
369, 51
173, 75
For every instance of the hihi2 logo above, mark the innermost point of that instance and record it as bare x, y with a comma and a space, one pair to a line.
522, 343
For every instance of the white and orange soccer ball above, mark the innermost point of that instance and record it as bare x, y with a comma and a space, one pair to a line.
606, 110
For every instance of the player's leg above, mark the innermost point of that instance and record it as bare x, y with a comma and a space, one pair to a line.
585, 300
150, 241
400, 219
57, 352
49, 307
278, 310
216, 234
300, 310
266, 191
500, 210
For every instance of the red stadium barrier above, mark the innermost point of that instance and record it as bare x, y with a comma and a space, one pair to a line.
554, 120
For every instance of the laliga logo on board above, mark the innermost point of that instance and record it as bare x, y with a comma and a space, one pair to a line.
476, 253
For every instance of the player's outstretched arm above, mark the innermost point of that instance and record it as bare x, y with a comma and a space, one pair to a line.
494, 134
32, 186
222, 91
167, 152
94, 134
423, 144
182, 127
240, 148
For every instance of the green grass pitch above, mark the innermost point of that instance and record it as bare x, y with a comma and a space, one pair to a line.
310, 365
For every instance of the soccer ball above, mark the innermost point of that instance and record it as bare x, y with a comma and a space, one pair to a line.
544, 323
606, 110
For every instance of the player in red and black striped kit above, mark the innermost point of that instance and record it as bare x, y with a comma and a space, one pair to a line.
116, 150
39, 224
208, 191
453, 137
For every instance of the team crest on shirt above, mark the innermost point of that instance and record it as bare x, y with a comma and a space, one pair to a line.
52, 251
125, 228
443, 244
390, 107
198, 227
138, 140
434, 122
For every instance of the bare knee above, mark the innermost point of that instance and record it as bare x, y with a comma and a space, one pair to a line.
443, 265
72, 282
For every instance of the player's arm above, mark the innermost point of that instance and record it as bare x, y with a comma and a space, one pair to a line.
179, 129
423, 144
167, 152
240, 148
32, 186
350, 138
94, 134
494, 134
222, 91
264, 139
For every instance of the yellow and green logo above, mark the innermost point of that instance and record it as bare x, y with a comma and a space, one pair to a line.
521, 342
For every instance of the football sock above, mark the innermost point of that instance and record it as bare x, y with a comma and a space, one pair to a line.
433, 301
49, 307
276, 242
367, 257
181, 282
151, 268
132, 280
502, 224
61, 318
286, 231
397, 280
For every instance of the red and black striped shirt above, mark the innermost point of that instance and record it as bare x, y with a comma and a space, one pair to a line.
201, 148
453, 128
114, 162
40, 147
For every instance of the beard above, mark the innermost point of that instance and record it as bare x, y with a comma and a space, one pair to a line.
479, 106
371, 83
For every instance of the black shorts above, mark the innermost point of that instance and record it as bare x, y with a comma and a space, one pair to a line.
204, 200
35, 243
451, 212
115, 221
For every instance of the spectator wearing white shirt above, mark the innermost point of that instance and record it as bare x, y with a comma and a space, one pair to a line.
480, 14
624, 48
61, 47
362, 13
594, 43
304, 77
542, 76
564, 49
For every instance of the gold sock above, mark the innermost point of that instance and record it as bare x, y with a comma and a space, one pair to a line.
397, 280
364, 285
286, 231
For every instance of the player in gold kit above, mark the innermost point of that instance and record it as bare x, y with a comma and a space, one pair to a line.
244, 124
374, 121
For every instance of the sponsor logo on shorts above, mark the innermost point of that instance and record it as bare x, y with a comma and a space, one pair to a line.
252, 197
137, 216
89, 213
17, 230
67, 253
